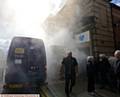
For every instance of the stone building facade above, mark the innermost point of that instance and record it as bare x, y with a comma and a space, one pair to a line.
93, 16
116, 24
96, 17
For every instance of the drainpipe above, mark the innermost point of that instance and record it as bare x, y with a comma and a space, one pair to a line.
114, 34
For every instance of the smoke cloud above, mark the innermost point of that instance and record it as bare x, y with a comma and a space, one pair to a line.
59, 46
26, 18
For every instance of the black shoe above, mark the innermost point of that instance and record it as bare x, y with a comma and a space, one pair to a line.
70, 90
91, 93
67, 95
102, 87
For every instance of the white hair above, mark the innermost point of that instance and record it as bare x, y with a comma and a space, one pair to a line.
102, 55
116, 52
90, 58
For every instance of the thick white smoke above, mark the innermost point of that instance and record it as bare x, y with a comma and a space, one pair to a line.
25, 18
61, 43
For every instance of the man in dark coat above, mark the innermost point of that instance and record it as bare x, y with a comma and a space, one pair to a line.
91, 71
104, 69
70, 64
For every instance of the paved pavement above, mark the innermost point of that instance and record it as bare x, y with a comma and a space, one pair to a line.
80, 90
56, 89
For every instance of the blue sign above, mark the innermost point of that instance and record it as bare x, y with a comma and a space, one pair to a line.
82, 37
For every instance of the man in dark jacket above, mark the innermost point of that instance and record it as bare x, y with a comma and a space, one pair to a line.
104, 69
70, 64
91, 71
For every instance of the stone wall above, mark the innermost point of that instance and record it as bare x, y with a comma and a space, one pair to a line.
83, 15
103, 36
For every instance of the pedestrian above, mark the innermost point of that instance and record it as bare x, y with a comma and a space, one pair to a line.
91, 71
117, 68
104, 69
113, 80
97, 74
70, 65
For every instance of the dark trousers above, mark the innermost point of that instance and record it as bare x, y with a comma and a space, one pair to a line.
113, 81
91, 83
69, 83
104, 79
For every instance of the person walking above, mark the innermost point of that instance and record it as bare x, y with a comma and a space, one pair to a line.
70, 66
